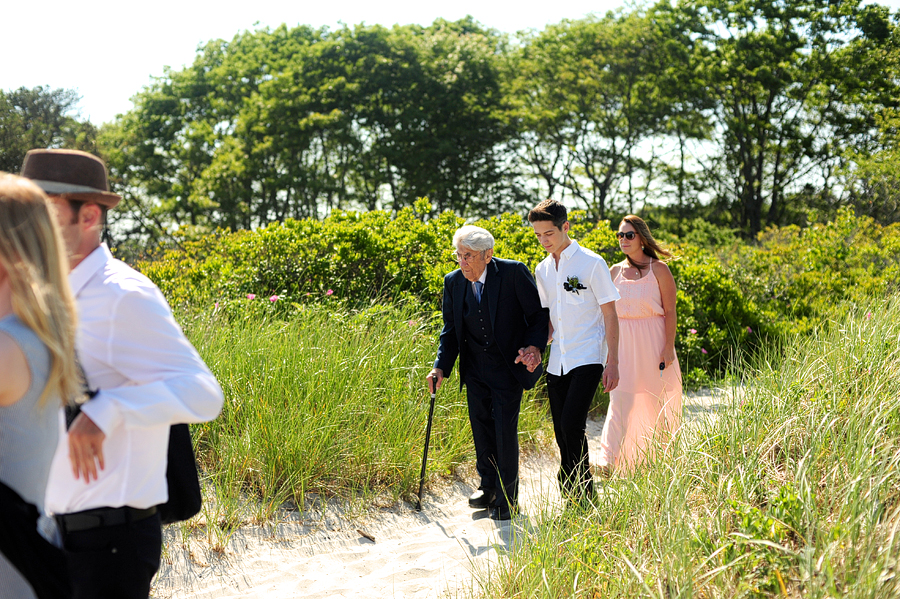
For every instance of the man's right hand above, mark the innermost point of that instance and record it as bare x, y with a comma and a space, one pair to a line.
434, 380
529, 356
85, 447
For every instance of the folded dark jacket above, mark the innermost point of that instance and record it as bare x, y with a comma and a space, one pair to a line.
43, 565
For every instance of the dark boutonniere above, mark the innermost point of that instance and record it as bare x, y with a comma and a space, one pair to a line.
573, 284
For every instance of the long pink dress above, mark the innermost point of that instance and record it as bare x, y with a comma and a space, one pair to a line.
646, 404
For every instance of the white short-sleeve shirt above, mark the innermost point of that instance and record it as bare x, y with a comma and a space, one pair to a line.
574, 293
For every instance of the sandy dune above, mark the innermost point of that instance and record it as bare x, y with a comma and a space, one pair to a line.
438, 552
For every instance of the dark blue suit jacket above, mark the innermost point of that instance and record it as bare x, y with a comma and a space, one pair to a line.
517, 318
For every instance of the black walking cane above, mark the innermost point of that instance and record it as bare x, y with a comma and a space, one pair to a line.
427, 439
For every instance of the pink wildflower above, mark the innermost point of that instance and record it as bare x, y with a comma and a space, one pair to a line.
703, 350
217, 305
329, 292
273, 299
749, 330
251, 296
868, 316
411, 323
692, 331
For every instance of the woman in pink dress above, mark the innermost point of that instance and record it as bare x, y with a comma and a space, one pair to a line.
645, 408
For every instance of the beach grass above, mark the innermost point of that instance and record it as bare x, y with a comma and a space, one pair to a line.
791, 489
330, 403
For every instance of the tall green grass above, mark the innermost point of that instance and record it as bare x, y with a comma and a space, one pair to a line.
793, 490
331, 401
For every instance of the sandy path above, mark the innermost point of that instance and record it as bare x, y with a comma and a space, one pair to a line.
430, 554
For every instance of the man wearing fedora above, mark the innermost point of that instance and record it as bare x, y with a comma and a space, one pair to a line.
109, 471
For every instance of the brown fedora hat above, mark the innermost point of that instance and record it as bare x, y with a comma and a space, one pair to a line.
73, 174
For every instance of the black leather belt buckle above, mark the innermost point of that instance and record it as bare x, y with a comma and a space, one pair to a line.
102, 517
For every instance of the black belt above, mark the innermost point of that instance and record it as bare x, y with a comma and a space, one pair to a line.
100, 517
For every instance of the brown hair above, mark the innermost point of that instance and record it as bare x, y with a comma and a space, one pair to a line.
549, 210
649, 245
31, 251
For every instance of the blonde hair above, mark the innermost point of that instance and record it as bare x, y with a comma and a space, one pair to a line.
33, 255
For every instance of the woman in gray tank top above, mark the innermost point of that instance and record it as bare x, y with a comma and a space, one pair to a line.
37, 375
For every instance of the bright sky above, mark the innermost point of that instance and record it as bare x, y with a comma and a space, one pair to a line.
108, 50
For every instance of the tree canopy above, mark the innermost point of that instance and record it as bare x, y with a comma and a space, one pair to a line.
745, 114
40, 118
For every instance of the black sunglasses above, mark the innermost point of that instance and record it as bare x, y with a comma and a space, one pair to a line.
629, 235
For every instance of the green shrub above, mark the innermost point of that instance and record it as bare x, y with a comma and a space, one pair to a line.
730, 297
355, 255
800, 276
716, 320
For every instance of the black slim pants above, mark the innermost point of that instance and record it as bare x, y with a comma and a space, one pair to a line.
114, 561
570, 399
494, 397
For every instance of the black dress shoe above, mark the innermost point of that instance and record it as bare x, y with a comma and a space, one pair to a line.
500, 513
481, 499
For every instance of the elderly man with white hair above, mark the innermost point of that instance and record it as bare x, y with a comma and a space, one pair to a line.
495, 324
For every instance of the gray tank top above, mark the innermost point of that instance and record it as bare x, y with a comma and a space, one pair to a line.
29, 432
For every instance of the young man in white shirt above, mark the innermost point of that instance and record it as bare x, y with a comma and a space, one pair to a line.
109, 471
574, 283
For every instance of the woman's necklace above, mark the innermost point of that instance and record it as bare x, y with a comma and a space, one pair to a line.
640, 271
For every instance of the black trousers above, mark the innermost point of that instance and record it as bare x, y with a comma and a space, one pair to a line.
570, 399
114, 561
494, 397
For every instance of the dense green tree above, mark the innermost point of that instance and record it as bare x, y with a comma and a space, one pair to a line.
186, 153
40, 118
451, 130
743, 113
297, 122
595, 99
874, 178
794, 84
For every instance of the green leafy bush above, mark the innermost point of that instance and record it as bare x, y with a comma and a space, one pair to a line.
716, 319
352, 255
356, 255
802, 276
730, 298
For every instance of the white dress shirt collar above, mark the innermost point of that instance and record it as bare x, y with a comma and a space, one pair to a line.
570, 250
481, 279
88, 267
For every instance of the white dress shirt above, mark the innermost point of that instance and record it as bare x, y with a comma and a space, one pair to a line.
579, 332
148, 376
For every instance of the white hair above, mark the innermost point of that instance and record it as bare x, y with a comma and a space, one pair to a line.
473, 238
